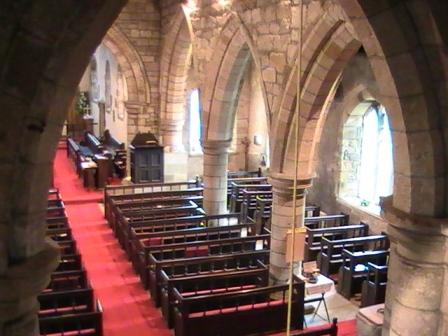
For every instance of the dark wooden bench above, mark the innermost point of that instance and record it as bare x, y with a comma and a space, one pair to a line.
249, 203
237, 197
252, 311
67, 280
354, 270
60, 234
314, 237
244, 173
201, 249
154, 241
147, 191
331, 250
243, 180
374, 287
212, 282
123, 224
327, 221
118, 152
187, 274
86, 324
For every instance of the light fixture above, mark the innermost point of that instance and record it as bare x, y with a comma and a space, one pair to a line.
224, 3
190, 6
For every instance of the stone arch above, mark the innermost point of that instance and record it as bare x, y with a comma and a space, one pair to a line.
175, 63
44, 58
231, 54
402, 61
131, 65
400, 79
328, 49
133, 69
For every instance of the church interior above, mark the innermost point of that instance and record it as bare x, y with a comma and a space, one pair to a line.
224, 168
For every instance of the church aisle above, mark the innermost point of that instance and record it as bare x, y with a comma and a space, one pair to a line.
128, 309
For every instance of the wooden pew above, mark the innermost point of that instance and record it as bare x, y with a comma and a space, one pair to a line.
145, 191
327, 221
201, 249
243, 173
216, 272
249, 203
236, 195
354, 270
86, 324
252, 311
331, 250
243, 180
123, 224
57, 222
143, 239
154, 241
118, 153
314, 237
374, 287
67, 280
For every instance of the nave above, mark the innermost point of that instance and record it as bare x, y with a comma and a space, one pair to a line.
127, 307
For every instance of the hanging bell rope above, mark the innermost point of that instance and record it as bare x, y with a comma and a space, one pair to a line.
296, 172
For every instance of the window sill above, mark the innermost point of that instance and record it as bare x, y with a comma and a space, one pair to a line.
195, 154
372, 210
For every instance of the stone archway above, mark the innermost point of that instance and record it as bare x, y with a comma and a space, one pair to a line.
232, 53
46, 49
175, 63
132, 67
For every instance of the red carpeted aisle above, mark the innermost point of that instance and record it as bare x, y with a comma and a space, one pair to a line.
128, 310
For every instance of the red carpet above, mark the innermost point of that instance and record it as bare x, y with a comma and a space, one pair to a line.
128, 310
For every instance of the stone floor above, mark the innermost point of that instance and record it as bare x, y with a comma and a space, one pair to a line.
338, 307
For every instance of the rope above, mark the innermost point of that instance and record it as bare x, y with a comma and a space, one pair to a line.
296, 173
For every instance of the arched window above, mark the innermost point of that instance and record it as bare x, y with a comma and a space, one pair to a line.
367, 158
195, 122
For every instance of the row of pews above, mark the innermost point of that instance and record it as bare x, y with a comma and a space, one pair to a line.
208, 274
68, 305
346, 252
96, 161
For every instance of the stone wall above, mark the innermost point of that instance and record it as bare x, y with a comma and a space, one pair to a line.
357, 85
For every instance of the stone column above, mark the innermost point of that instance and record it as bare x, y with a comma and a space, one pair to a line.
172, 135
19, 287
216, 157
417, 288
281, 220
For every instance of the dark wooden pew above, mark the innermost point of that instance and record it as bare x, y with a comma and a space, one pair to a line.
205, 248
60, 234
86, 324
354, 270
215, 272
252, 311
243, 173
145, 191
249, 203
153, 241
67, 280
59, 222
122, 223
374, 287
213, 282
331, 250
243, 180
236, 195
118, 153
327, 221
314, 237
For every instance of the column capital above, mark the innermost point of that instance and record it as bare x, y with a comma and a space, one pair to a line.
135, 107
283, 184
428, 227
215, 147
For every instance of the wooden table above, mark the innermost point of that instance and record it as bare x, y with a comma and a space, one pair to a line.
316, 292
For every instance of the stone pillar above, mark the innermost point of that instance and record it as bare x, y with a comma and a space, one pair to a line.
172, 135
281, 220
417, 288
216, 157
19, 287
